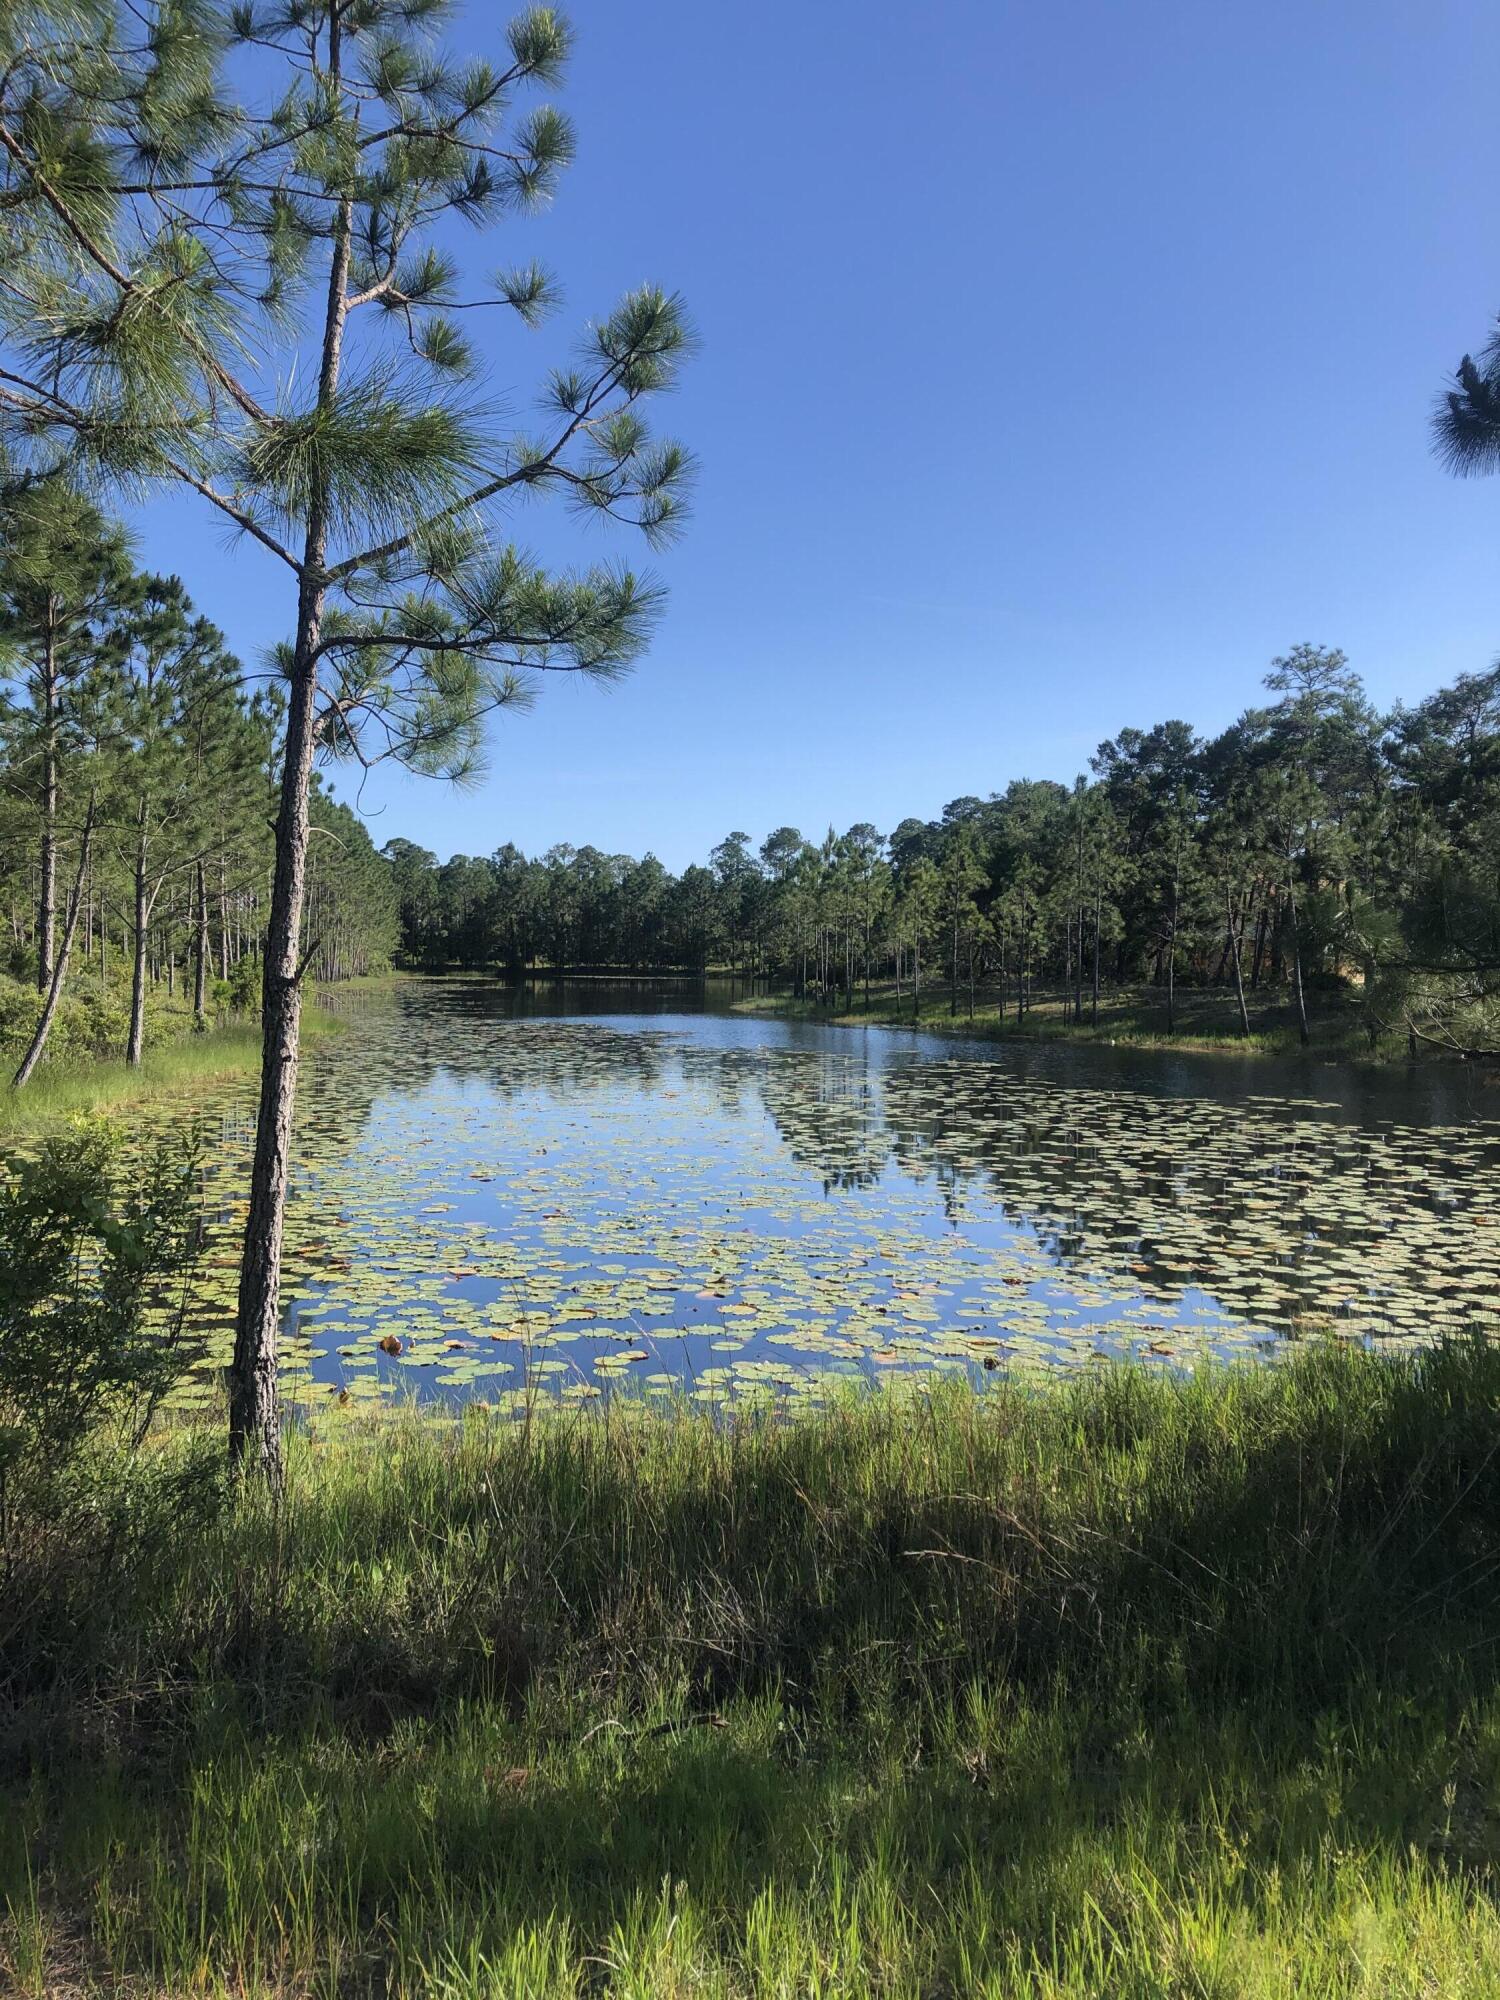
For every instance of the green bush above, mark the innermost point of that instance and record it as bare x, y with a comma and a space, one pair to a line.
243, 985
87, 1026
96, 1256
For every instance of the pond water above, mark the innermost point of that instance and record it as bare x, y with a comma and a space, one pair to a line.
562, 1187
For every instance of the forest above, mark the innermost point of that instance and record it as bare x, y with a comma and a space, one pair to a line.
1317, 852
138, 771
1317, 856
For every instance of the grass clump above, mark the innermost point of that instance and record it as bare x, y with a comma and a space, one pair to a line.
1133, 1686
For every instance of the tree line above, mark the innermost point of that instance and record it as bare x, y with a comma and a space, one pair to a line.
1315, 847
137, 775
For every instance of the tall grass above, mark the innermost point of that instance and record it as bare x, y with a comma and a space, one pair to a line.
1133, 1687
188, 1063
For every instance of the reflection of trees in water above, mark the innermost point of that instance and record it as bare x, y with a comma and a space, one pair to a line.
1180, 1190
1162, 1184
826, 1107
409, 1048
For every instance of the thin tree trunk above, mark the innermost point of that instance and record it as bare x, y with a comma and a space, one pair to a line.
46, 916
1258, 956
1234, 947
137, 1041
1172, 941
200, 952
38, 1041
254, 1402
1079, 905
1291, 901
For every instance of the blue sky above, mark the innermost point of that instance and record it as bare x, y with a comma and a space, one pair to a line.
1062, 361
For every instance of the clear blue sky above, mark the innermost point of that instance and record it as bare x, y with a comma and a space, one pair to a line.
1060, 364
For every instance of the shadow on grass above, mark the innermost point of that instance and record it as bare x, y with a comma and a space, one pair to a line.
1085, 1686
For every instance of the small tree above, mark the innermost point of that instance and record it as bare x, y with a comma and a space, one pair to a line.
90, 1245
175, 701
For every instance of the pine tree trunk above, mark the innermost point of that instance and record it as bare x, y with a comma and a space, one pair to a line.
136, 1045
254, 1402
1234, 947
38, 1041
1301, 997
200, 952
1258, 956
46, 916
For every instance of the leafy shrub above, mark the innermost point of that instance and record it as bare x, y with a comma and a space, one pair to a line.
96, 1251
243, 985
87, 1025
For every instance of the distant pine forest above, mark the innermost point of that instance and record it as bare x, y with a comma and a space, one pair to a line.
1319, 869
1318, 861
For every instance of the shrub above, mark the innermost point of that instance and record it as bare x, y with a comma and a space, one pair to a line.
96, 1257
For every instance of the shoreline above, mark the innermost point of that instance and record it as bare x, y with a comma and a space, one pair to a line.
1261, 1045
185, 1065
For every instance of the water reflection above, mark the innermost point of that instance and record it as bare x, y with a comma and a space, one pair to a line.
569, 1186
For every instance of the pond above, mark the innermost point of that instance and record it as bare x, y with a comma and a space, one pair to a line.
562, 1188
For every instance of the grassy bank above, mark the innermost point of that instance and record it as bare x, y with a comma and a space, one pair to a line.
1204, 1022
178, 1064
1124, 1688
106, 1087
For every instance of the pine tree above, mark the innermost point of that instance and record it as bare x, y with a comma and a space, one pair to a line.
174, 245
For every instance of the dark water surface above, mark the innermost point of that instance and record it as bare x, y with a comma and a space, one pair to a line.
557, 1186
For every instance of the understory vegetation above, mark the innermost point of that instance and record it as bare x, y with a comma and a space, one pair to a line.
1135, 1685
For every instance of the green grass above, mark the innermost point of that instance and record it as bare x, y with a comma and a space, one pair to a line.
1126, 1687
102, 1087
1206, 1021
175, 1067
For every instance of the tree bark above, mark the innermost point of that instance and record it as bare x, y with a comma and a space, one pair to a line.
135, 1046
254, 1401
38, 1041
200, 951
